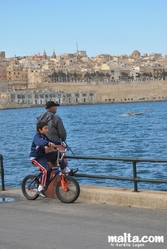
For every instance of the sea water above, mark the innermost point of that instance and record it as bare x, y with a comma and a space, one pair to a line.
103, 130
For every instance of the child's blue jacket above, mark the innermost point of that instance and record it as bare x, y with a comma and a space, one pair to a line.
38, 145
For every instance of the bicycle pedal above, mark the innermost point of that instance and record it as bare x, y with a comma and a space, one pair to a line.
73, 171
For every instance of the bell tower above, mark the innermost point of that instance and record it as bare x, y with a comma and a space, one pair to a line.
44, 55
53, 55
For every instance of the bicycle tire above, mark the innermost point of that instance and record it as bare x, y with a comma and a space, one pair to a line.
73, 190
29, 187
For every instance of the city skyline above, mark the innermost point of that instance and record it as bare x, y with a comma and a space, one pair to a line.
98, 27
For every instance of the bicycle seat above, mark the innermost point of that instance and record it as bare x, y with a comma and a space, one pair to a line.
61, 147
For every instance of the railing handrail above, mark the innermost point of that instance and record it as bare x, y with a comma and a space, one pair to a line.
130, 159
135, 179
2, 172
134, 161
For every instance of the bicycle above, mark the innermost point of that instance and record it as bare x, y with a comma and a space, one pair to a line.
67, 188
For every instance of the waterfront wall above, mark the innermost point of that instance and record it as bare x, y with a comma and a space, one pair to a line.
69, 93
116, 91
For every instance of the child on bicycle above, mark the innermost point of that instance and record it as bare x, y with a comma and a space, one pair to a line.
38, 152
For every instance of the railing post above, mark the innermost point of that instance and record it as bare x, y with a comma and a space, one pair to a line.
2, 172
135, 176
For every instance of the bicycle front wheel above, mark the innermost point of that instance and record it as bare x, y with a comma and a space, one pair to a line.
71, 193
29, 187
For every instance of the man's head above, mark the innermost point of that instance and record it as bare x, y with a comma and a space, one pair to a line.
51, 106
42, 128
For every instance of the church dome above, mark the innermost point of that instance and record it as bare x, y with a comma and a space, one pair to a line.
135, 54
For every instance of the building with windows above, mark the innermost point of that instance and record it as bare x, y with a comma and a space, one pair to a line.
2, 54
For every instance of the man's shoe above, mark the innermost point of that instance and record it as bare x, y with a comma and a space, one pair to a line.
41, 193
72, 172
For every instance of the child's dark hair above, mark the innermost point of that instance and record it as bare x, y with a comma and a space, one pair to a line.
40, 125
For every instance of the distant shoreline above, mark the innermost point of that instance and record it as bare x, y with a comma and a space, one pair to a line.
80, 104
83, 93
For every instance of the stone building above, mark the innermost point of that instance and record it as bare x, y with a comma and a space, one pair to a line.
2, 54
34, 77
3, 76
41, 96
17, 77
44, 55
135, 54
157, 71
53, 55
44, 72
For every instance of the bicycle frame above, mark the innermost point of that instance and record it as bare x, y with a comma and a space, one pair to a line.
57, 171
56, 168
66, 189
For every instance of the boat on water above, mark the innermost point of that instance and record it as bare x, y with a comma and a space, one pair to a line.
137, 113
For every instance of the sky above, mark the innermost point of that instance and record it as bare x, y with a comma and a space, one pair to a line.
114, 27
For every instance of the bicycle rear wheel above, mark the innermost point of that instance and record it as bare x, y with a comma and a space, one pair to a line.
71, 194
29, 187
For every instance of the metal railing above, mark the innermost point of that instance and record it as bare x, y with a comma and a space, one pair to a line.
134, 161
2, 172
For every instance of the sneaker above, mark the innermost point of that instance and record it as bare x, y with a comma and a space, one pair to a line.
72, 172
41, 193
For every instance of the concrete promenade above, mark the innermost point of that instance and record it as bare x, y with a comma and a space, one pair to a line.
85, 224
114, 196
